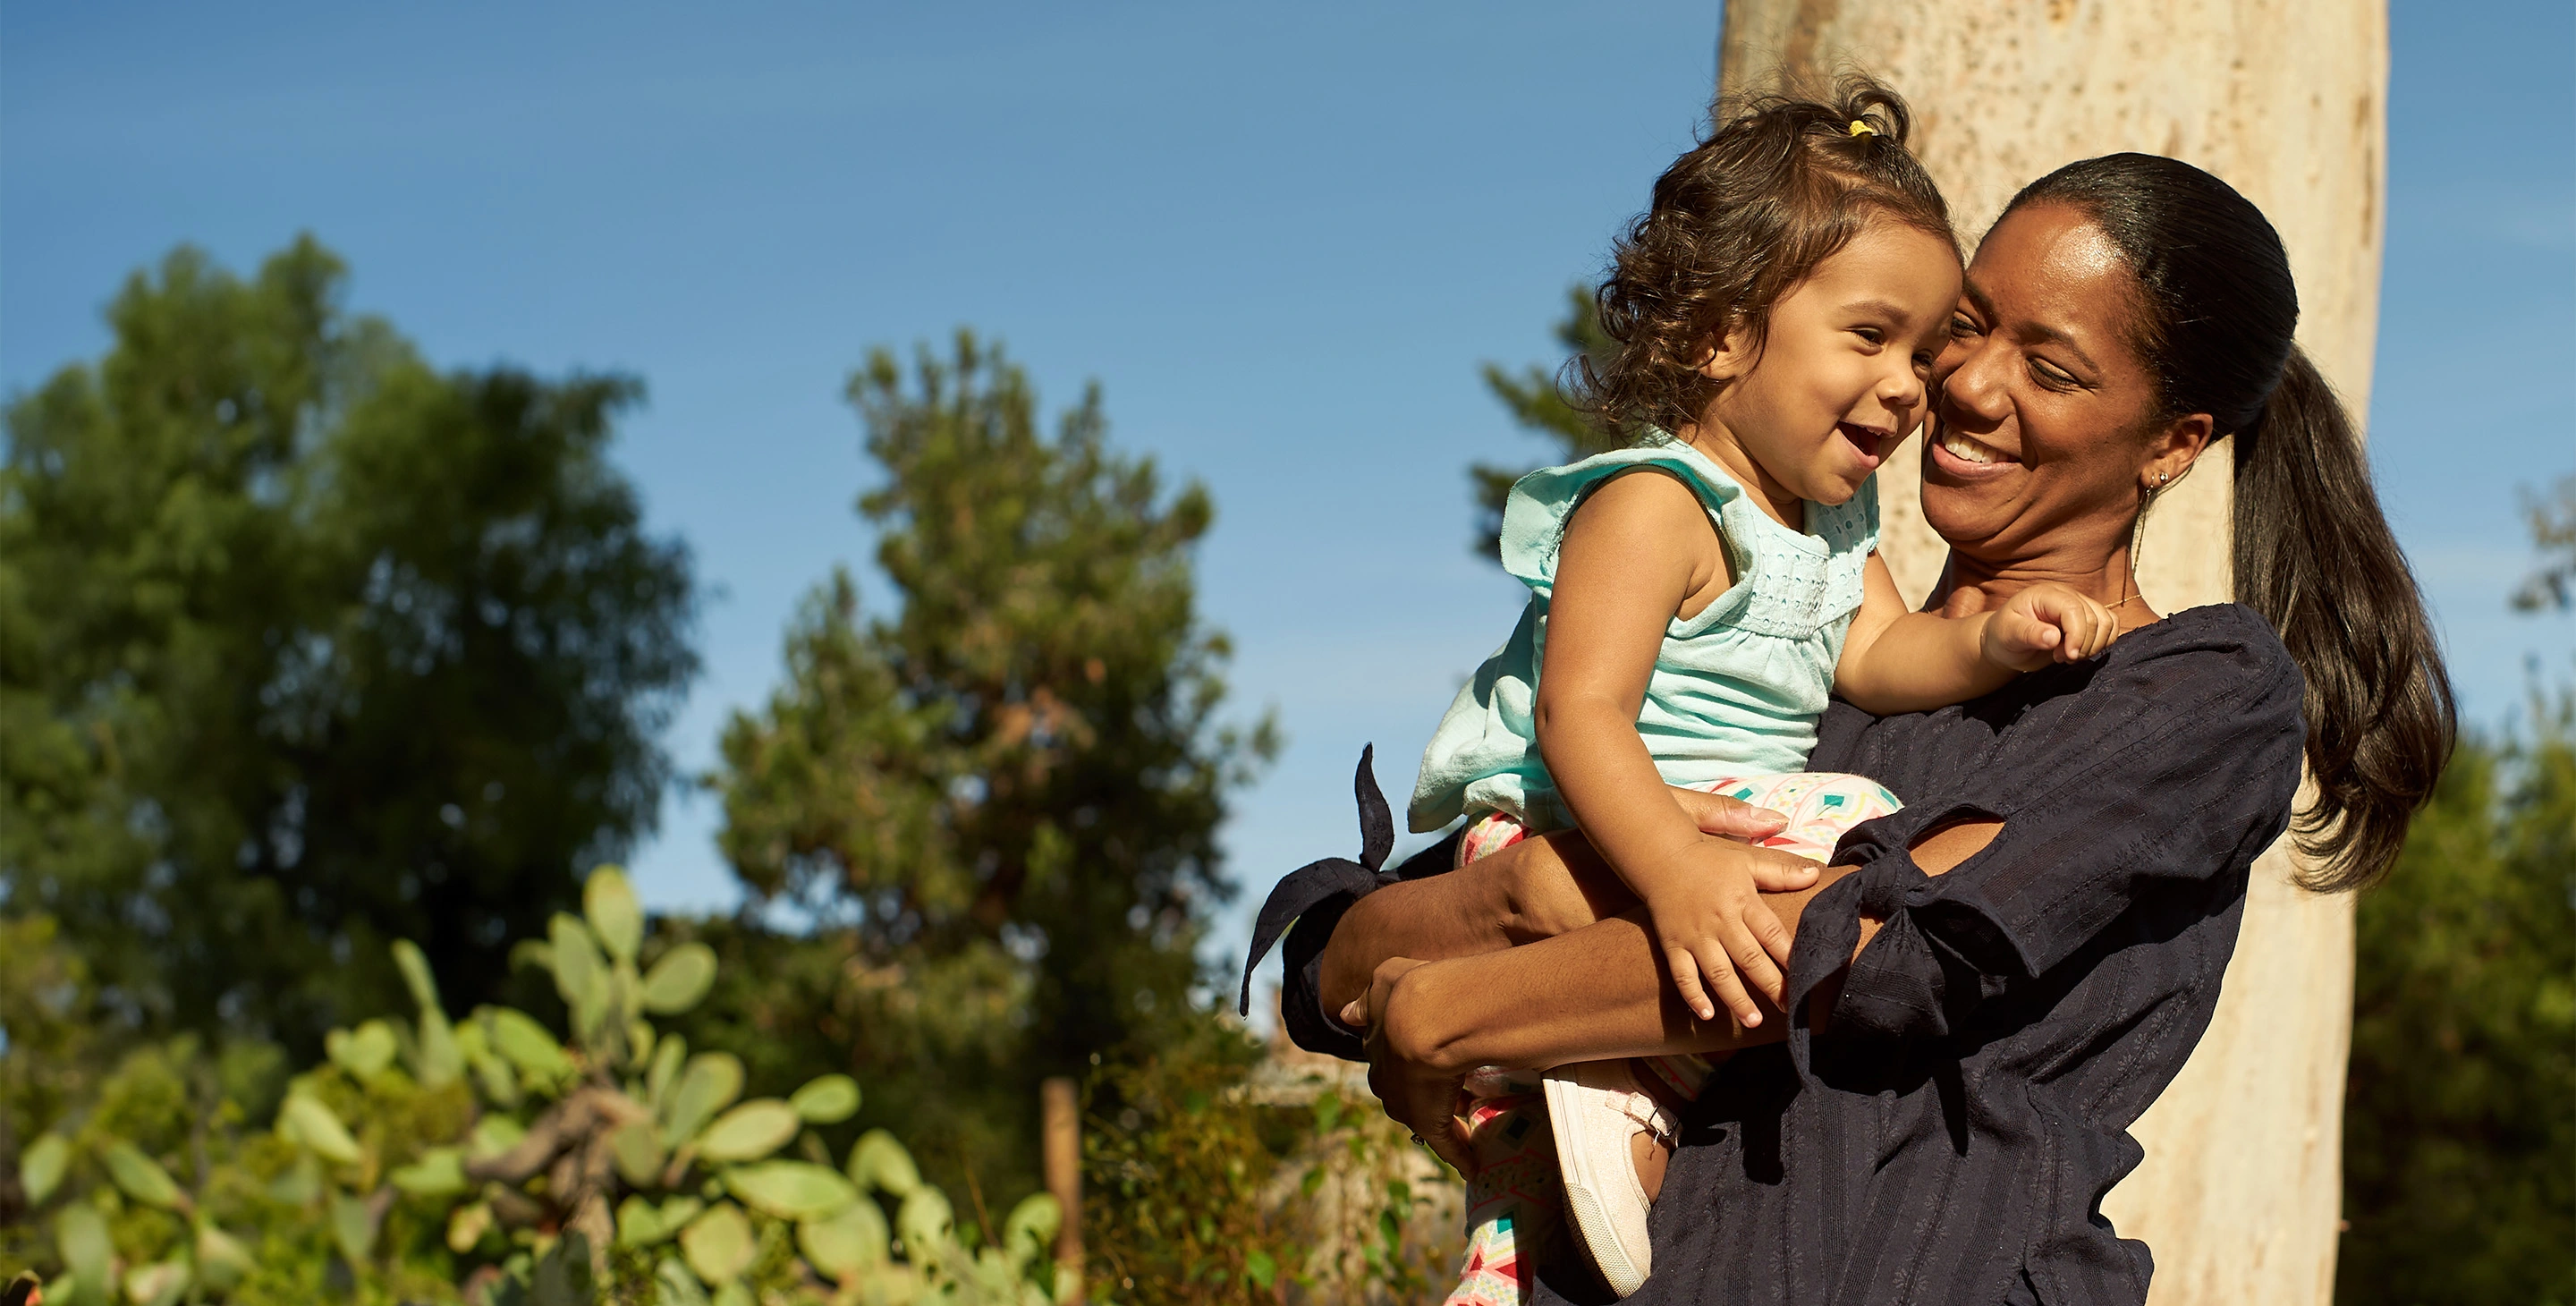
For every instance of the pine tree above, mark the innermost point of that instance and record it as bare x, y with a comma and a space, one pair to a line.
1004, 791
1537, 400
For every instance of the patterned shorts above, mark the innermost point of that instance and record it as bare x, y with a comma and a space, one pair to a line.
1822, 807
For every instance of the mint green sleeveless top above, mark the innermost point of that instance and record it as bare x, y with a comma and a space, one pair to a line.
1736, 688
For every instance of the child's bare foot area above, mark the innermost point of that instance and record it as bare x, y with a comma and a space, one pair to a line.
1649, 1156
1646, 1151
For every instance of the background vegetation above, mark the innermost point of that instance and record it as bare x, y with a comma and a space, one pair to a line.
306, 647
2460, 1118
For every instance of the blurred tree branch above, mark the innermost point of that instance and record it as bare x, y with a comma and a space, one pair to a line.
2552, 583
1536, 397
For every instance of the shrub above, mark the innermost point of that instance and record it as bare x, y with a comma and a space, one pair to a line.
489, 1161
1209, 1176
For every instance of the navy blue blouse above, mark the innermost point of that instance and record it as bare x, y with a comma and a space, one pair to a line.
1951, 1137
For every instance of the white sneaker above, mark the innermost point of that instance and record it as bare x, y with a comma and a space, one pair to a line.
1595, 1109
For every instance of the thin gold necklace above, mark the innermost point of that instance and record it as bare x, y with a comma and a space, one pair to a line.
2138, 540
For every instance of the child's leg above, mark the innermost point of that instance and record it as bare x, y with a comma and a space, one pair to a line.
1514, 1201
1526, 1175
1611, 1120
1487, 835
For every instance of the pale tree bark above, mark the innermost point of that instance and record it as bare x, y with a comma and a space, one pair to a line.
2285, 99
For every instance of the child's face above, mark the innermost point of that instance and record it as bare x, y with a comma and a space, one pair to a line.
1840, 379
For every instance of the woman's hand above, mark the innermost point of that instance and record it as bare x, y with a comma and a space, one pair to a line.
1733, 818
1416, 1094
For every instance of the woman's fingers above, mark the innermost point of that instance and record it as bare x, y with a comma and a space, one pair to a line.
1422, 1099
1449, 1143
1368, 1010
1731, 818
1779, 872
1423, 1103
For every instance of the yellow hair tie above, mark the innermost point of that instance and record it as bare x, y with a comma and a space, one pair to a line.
1859, 128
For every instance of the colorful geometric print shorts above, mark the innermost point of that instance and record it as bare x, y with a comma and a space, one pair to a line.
1822, 807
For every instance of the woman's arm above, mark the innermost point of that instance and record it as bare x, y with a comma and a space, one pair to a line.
1536, 889
1432, 1021
1514, 1008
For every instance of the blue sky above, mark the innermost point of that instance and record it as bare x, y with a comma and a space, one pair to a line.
1282, 237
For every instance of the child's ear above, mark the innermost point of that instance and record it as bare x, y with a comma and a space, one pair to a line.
1730, 353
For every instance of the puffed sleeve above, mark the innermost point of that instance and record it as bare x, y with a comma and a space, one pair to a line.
2169, 763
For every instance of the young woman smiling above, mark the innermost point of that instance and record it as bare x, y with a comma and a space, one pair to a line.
1991, 985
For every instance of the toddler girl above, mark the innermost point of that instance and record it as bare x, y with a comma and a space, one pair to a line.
1696, 597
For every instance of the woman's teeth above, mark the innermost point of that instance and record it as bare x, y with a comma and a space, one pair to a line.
1967, 450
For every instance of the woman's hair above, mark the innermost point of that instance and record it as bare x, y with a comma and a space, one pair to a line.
2313, 553
1779, 185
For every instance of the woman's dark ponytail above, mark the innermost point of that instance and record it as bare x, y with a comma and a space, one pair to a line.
2313, 552
2315, 556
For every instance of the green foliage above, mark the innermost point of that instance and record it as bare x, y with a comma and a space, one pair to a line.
2552, 583
1538, 403
1209, 1177
281, 607
2460, 1121
499, 1165
1004, 793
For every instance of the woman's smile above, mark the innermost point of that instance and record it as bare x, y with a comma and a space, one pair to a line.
1959, 456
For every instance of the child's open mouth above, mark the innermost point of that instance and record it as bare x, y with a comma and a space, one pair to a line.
1869, 442
1866, 441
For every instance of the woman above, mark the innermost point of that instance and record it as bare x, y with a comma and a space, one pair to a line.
1991, 985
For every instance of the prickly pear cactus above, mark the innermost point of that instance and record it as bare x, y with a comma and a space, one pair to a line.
487, 1160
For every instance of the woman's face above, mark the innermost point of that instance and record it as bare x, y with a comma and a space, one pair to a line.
2044, 437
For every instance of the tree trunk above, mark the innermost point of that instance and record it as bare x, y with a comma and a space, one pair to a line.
2240, 1193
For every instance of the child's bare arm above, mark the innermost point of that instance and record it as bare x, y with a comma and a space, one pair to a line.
1899, 661
1631, 556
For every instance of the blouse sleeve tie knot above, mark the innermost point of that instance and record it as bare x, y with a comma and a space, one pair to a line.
1311, 885
1935, 956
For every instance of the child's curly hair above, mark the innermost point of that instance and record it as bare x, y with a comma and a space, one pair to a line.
1779, 185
